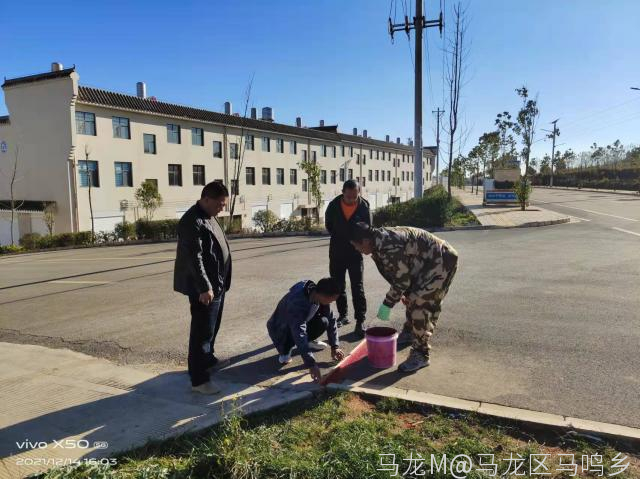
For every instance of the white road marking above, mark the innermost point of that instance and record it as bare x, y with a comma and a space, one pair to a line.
578, 218
590, 211
626, 231
79, 282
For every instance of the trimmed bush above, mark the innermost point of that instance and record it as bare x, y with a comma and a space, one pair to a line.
11, 249
125, 230
433, 209
265, 220
31, 240
157, 230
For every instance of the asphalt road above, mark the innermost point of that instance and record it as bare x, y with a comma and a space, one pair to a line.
541, 318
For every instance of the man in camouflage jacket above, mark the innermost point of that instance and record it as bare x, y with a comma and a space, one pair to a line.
419, 266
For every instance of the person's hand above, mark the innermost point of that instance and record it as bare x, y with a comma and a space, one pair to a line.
404, 300
316, 375
384, 312
206, 298
337, 354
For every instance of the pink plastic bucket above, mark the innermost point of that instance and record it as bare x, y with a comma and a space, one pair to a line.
381, 346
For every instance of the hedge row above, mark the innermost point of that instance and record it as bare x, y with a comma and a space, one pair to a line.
37, 241
434, 209
602, 178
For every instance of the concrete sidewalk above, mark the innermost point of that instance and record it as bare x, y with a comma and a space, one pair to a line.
60, 406
507, 216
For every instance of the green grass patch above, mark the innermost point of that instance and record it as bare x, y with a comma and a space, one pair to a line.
342, 435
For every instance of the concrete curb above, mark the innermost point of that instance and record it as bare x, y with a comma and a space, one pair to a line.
624, 434
532, 224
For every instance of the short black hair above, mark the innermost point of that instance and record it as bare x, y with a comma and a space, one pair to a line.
360, 231
328, 287
350, 185
215, 190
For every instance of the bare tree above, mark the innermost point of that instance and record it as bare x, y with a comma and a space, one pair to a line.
457, 52
14, 204
239, 161
49, 215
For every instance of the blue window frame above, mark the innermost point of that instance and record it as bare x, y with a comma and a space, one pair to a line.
124, 173
88, 170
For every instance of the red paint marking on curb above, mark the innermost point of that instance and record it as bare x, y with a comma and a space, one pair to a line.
358, 353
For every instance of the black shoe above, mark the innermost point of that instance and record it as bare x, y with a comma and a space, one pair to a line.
342, 320
215, 364
359, 331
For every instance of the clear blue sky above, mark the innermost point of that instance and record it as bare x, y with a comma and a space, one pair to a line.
333, 59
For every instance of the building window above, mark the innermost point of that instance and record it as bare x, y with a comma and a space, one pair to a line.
341, 174
341, 150
370, 175
217, 149
279, 145
403, 176
304, 184
314, 156
175, 175
357, 158
266, 176
234, 187
378, 154
233, 151
304, 155
88, 171
350, 174
121, 127
377, 175
412, 176
251, 175
293, 176
333, 177
250, 142
323, 177
198, 175
124, 176
149, 141
197, 137
333, 151
280, 176
364, 181
364, 159
266, 144
85, 123
388, 176
351, 151
293, 147
173, 133
324, 151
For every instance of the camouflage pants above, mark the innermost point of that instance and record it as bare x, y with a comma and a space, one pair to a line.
424, 305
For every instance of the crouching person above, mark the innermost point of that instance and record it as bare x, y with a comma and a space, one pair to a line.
301, 317
419, 266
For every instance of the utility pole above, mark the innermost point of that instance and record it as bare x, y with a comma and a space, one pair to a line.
438, 112
419, 23
554, 133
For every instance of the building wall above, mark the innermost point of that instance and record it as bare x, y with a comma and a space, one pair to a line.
43, 124
40, 116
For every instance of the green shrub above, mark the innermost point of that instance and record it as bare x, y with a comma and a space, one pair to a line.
11, 249
82, 238
523, 192
125, 230
265, 220
433, 209
157, 230
31, 241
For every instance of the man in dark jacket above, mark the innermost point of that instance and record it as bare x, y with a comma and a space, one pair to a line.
301, 316
203, 272
343, 212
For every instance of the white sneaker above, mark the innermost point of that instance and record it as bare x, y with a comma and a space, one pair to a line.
209, 388
317, 345
285, 358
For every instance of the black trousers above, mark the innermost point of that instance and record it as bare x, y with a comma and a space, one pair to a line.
315, 328
338, 267
205, 324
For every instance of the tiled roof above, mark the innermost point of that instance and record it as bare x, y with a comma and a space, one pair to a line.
38, 77
4, 119
95, 96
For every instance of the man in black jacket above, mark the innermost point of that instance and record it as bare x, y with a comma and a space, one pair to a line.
341, 215
203, 272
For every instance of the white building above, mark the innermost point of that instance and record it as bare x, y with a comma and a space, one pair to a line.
65, 134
